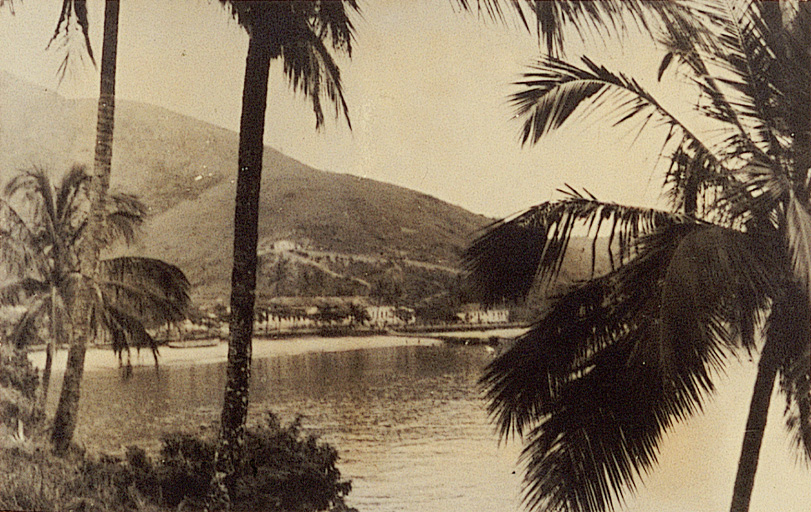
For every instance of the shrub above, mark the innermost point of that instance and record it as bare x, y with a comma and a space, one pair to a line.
18, 387
282, 470
17, 372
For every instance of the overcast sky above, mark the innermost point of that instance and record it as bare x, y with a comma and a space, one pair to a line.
427, 90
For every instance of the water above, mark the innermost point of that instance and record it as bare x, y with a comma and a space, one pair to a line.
413, 433
411, 430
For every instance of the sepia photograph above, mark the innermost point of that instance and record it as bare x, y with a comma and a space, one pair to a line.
405, 255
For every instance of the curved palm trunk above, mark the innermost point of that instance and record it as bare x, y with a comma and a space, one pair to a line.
755, 426
65, 419
243, 277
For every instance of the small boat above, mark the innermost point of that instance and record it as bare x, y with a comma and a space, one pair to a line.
193, 343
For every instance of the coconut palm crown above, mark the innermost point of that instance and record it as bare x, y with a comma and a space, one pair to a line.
620, 358
41, 228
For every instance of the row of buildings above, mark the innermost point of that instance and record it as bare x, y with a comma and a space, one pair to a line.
269, 321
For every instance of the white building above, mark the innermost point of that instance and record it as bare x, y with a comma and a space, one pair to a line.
382, 316
485, 316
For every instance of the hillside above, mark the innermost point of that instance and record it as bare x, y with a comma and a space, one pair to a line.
365, 234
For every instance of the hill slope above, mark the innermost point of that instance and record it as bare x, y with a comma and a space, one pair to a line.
185, 169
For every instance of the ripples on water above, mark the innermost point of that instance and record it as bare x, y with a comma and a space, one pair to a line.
413, 434
408, 421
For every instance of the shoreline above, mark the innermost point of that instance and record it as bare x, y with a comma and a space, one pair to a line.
103, 358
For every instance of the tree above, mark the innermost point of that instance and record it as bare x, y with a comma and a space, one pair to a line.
98, 185
622, 357
299, 34
41, 228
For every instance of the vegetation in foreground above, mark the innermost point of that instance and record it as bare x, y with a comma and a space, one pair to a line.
284, 469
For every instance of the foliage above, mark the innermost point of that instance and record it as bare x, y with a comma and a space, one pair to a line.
281, 470
17, 372
299, 33
284, 471
621, 357
43, 227
18, 385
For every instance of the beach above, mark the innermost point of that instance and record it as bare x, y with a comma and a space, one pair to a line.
98, 358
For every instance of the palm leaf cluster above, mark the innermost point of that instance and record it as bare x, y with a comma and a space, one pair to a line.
41, 227
298, 31
550, 19
621, 357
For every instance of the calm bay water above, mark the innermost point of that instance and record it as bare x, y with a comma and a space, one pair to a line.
410, 428
413, 433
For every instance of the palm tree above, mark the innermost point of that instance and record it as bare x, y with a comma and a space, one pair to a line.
620, 358
41, 229
596, 17
299, 33
98, 185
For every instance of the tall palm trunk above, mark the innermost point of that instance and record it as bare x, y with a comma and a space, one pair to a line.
50, 348
755, 426
243, 277
65, 419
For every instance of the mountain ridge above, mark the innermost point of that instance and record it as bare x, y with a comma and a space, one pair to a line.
185, 171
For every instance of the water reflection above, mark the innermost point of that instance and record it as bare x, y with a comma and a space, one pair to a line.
413, 434
408, 421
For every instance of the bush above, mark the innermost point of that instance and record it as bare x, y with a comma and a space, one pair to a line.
283, 470
17, 372
18, 387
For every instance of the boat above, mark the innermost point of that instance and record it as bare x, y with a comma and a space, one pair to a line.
193, 343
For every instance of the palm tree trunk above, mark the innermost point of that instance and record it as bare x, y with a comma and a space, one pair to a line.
755, 426
49, 356
67, 409
46, 376
243, 277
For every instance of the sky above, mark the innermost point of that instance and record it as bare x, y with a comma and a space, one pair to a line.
427, 89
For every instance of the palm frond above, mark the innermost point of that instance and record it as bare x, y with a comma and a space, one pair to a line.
593, 377
67, 194
25, 330
72, 10
717, 283
601, 18
311, 70
798, 234
35, 185
19, 247
790, 322
299, 33
759, 60
620, 358
150, 289
125, 213
16, 290
554, 90
506, 261
602, 433
333, 20
126, 331
686, 43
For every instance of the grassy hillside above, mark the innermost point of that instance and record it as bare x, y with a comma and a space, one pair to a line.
185, 170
